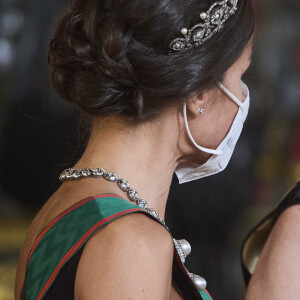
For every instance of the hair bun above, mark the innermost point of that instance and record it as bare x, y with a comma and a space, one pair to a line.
111, 56
90, 66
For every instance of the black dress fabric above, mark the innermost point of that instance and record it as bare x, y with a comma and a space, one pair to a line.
63, 286
257, 237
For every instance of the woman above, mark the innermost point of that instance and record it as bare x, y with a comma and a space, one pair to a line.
269, 254
163, 90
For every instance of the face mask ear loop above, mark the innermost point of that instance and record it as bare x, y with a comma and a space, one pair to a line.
231, 96
211, 151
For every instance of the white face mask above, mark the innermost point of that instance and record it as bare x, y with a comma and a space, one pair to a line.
190, 171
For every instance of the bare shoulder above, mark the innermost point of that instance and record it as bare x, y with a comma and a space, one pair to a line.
279, 262
292, 212
130, 258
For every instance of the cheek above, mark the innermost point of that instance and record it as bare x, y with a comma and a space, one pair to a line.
224, 122
215, 123
232, 111
219, 120
233, 84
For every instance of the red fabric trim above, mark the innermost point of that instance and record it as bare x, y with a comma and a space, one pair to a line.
84, 237
78, 244
56, 219
185, 272
206, 291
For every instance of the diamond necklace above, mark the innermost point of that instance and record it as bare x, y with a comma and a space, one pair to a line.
182, 247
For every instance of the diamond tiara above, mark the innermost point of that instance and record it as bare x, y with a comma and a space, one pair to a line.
213, 20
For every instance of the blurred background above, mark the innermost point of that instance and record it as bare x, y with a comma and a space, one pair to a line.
39, 138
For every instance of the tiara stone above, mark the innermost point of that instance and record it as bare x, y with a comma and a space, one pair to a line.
212, 22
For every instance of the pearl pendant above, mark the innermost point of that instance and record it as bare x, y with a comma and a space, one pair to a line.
182, 247
186, 247
199, 281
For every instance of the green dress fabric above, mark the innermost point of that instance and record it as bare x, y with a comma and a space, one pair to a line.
68, 232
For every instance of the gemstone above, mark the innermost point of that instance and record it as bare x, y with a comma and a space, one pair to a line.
133, 195
162, 221
219, 27
62, 177
179, 250
142, 203
98, 172
208, 32
76, 174
111, 177
90, 171
67, 171
123, 184
85, 173
198, 35
152, 212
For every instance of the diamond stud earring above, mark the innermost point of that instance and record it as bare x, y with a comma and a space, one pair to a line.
201, 110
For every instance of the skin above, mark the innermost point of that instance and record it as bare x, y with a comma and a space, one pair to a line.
146, 155
277, 272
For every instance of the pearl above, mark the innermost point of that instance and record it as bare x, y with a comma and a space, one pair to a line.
184, 31
182, 247
203, 15
186, 247
177, 45
199, 281
217, 16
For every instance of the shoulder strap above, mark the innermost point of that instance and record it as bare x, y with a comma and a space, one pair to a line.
256, 238
68, 232
65, 235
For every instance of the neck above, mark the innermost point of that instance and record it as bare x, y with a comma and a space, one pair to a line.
145, 155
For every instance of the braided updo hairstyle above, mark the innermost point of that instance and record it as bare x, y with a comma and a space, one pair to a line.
111, 56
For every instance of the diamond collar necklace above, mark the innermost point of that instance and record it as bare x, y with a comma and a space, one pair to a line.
182, 247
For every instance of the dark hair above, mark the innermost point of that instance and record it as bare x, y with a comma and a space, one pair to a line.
111, 56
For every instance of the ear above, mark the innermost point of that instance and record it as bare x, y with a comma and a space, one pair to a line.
195, 104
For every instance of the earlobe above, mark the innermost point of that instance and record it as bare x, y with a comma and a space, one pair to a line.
196, 105
194, 110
